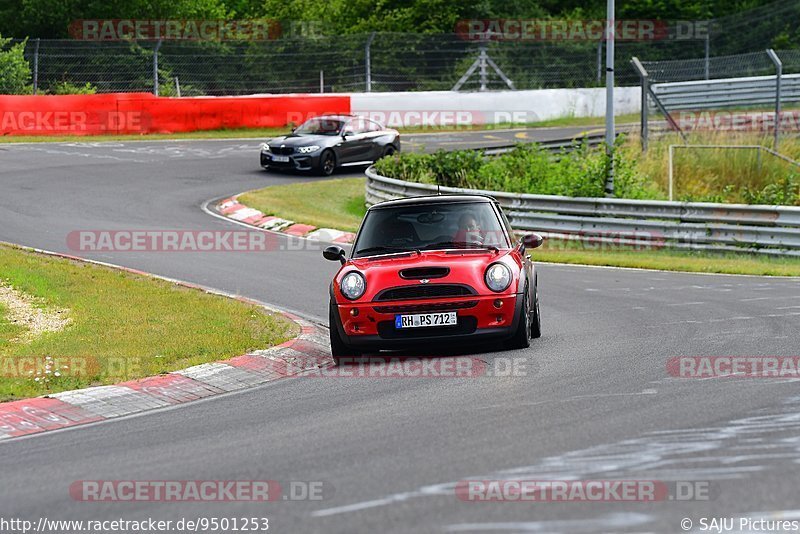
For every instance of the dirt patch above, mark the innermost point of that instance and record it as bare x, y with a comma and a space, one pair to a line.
26, 311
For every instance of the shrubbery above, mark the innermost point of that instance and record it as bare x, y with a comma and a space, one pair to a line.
528, 168
712, 175
15, 72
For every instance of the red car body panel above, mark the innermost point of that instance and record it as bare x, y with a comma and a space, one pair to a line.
466, 268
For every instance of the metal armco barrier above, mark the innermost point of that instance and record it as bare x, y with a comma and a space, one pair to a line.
726, 93
682, 225
555, 146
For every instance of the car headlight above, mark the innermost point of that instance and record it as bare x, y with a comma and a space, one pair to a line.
353, 285
264, 147
307, 149
498, 277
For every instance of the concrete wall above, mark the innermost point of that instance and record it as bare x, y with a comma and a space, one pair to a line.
491, 107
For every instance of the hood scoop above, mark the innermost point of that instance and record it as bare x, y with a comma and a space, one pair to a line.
418, 273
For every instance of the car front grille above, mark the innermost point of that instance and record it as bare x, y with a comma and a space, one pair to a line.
282, 151
414, 308
425, 291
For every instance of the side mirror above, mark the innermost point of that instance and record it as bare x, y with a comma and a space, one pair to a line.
346, 133
334, 253
532, 240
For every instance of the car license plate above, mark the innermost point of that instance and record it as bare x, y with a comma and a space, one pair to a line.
420, 320
281, 159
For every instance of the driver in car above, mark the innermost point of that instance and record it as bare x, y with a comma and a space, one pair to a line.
469, 230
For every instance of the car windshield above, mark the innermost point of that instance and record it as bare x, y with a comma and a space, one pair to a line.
320, 126
431, 226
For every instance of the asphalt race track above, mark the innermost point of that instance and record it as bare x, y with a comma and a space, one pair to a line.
596, 402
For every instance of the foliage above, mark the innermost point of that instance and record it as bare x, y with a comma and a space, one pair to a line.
15, 72
67, 88
713, 176
528, 168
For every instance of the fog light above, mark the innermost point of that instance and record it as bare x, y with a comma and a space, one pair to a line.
498, 303
354, 312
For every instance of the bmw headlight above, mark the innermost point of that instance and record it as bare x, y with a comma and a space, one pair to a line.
497, 277
353, 285
307, 149
264, 147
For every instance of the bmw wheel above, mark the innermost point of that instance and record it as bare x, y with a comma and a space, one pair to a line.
327, 163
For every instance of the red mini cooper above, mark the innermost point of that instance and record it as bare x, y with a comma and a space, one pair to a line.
433, 269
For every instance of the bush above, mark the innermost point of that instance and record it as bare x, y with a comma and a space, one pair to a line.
67, 88
15, 72
528, 168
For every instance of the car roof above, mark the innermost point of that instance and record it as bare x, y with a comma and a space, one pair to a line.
334, 116
433, 199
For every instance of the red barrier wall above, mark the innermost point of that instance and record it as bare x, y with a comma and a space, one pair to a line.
143, 113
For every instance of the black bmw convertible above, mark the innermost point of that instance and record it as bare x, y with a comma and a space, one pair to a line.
327, 142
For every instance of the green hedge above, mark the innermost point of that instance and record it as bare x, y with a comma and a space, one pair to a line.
528, 168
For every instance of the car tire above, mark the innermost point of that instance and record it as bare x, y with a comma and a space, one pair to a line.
339, 349
327, 163
536, 320
522, 335
388, 151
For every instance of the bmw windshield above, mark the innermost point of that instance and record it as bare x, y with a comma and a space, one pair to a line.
431, 226
320, 126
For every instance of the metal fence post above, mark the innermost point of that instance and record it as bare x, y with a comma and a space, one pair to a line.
778, 75
368, 62
483, 73
708, 55
644, 77
155, 67
600, 61
36, 66
322, 81
177, 87
611, 133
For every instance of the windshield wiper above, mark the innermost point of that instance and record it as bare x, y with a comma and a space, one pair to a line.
386, 249
460, 244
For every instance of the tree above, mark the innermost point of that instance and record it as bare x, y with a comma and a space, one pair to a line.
15, 72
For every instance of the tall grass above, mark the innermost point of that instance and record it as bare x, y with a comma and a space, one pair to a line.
746, 176
724, 174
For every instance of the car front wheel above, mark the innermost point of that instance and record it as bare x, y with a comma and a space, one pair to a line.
327, 163
339, 349
522, 335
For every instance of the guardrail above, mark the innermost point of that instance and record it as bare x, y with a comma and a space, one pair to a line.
726, 93
654, 224
555, 146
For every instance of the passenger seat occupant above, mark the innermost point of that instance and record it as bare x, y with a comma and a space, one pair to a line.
469, 230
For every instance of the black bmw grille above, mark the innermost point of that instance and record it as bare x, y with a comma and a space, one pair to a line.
282, 151
425, 291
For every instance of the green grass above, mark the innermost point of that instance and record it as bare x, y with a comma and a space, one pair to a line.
124, 326
339, 204
325, 204
721, 174
667, 260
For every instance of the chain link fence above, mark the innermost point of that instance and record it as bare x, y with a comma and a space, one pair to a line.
413, 62
346, 63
